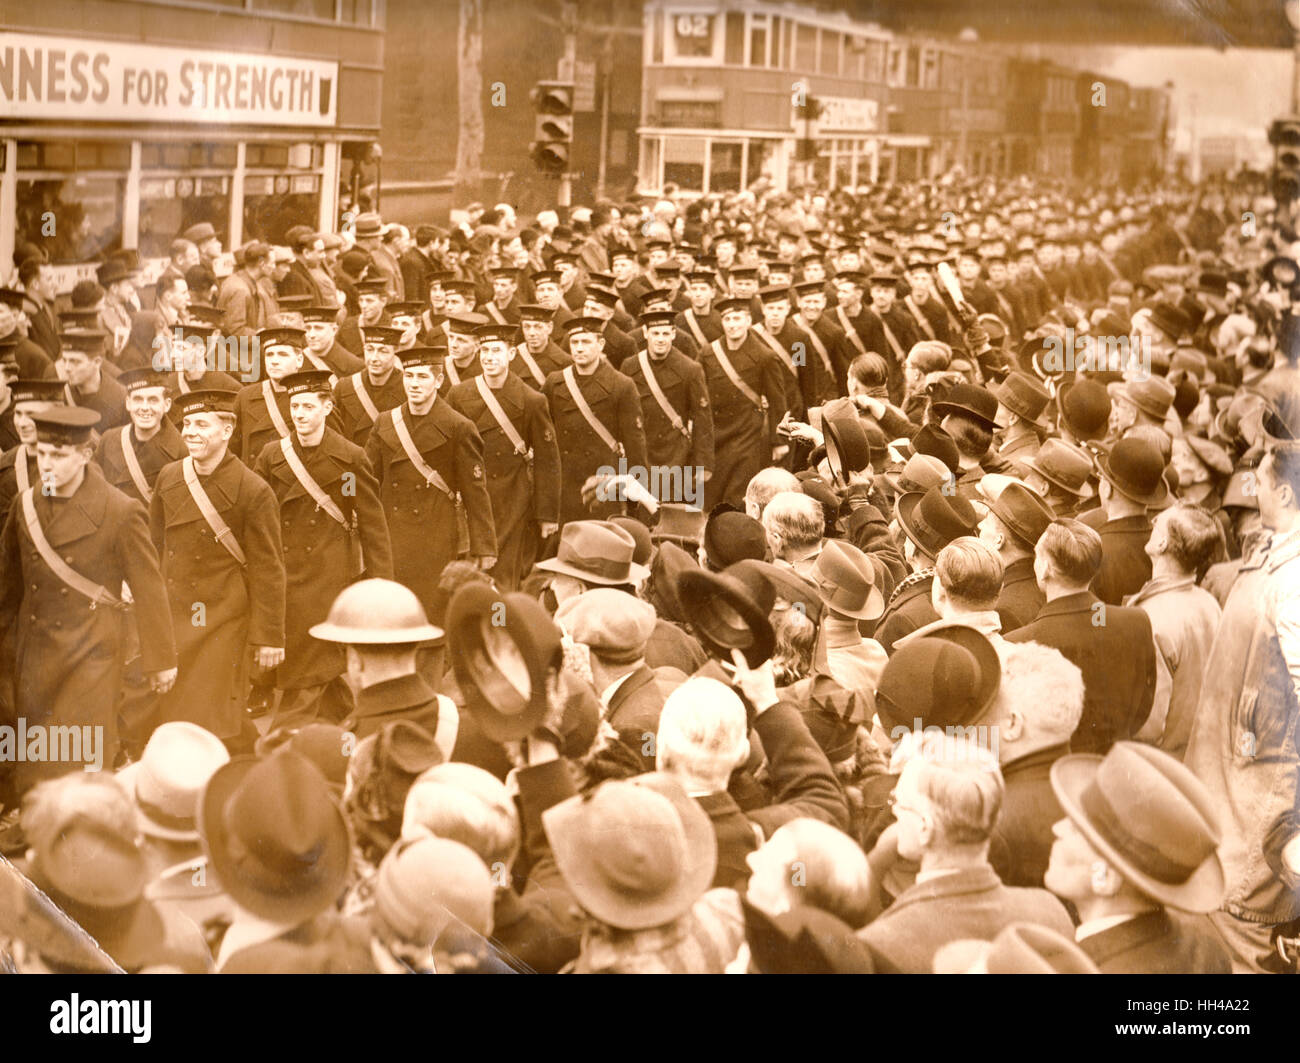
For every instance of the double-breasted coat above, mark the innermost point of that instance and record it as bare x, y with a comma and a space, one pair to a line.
743, 435
524, 488
68, 658
321, 556
356, 423
164, 447
551, 360
254, 425
614, 401
423, 522
219, 608
682, 382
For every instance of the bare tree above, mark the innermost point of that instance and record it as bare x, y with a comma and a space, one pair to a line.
469, 142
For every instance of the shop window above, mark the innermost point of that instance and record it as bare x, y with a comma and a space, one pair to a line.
274, 205
649, 168
724, 166
758, 40
171, 204
763, 161
266, 156
805, 49
735, 53
684, 162
829, 56
73, 218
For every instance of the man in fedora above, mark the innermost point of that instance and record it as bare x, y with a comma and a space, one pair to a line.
1139, 837
592, 553
1132, 481
1061, 474
639, 857
929, 521
429, 462
1243, 743
280, 845
946, 805
1083, 407
597, 416
1184, 619
846, 581
1112, 645
1022, 401
968, 413
1015, 521
1136, 402
369, 232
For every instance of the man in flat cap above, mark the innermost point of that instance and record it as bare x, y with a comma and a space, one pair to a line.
363, 396
597, 418
67, 548
520, 454
332, 526
429, 461
132, 456
81, 365
217, 529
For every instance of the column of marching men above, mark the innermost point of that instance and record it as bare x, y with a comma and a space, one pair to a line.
775, 479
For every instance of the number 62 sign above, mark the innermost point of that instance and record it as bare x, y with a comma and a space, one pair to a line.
693, 34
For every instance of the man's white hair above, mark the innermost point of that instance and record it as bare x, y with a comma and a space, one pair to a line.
703, 735
1043, 687
798, 518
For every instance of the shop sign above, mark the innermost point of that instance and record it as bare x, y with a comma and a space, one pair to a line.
845, 114
89, 80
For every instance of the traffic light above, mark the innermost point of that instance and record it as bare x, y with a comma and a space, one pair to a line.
552, 125
1284, 135
808, 112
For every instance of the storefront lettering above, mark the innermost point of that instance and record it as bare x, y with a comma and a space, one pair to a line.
55, 77
39, 75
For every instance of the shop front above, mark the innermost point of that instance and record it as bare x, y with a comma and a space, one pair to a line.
107, 145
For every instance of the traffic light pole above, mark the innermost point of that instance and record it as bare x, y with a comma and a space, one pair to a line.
568, 68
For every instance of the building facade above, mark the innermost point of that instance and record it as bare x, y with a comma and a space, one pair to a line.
721, 89
124, 122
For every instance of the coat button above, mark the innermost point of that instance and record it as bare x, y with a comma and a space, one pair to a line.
63, 591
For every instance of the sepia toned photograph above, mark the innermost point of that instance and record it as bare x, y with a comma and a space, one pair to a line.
650, 487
